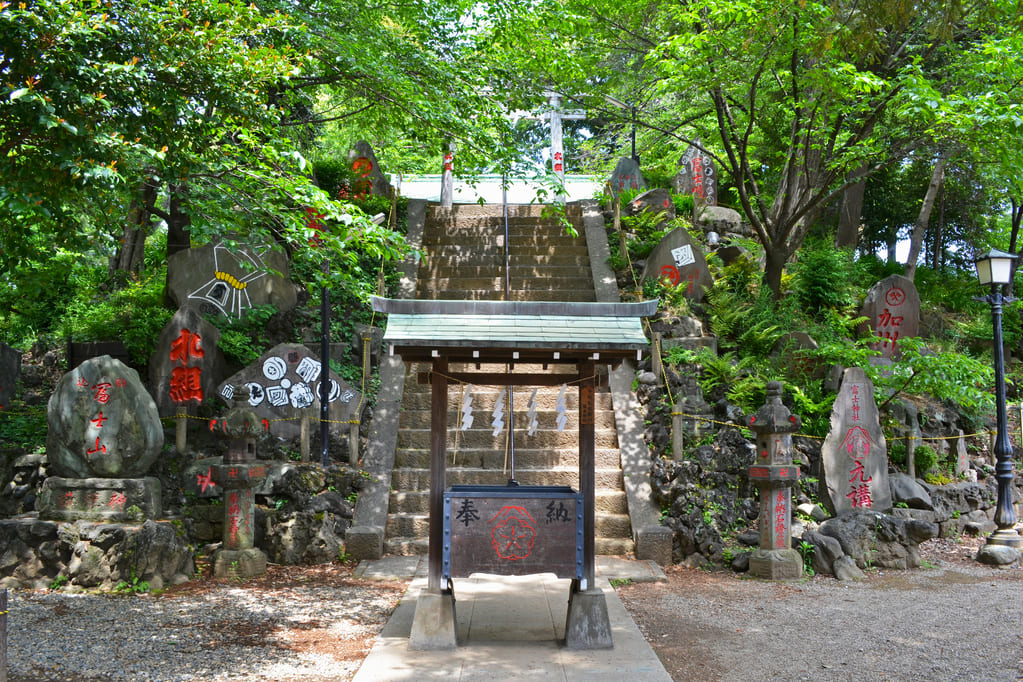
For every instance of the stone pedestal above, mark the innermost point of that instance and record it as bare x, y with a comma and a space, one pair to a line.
774, 474
100, 499
776, 564
239, 563
434, 626
587, 625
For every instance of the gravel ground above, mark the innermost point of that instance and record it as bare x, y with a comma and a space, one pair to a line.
955, 620
294, 623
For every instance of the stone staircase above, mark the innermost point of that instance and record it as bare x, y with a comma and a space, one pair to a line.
464, 260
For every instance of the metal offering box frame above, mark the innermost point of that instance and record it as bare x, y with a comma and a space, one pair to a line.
512, 530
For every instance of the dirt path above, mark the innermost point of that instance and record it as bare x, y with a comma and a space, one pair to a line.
956, 620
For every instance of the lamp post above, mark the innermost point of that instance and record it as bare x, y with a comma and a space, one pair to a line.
995, 268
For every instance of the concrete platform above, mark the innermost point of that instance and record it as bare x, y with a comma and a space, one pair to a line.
511, 628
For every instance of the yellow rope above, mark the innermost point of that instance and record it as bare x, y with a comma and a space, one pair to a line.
803, 435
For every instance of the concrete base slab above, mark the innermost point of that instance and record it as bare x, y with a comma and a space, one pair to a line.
239, 563
587, 625
433, 627
100, 499
776, 564
513, 628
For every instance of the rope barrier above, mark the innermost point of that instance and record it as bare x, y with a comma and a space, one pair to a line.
804, 435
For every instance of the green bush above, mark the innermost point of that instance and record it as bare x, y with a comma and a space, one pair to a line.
134, 314
925, 459
822, 276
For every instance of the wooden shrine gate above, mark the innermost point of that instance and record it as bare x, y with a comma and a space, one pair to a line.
577, 335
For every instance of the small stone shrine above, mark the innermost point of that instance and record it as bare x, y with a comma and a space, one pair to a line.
893, 308
854, 455
230, 281
187, 365
697, 176
366, 169
10, 373
239, 474
626, 176
103, 434
679, 259
774, 474
284, 387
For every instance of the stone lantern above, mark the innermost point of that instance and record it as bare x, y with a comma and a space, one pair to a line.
237, 477
774, 474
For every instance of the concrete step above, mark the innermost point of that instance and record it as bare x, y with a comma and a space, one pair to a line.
547, 419
471, 211
525, 458
419, 479
520, 255
418, 502
453, 280
580, 295
524, 239
418, 525
417, 396
421, 546
474, 439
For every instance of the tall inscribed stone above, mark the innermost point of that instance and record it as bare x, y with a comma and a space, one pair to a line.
186, 366
893, 308
697, 176
855, 455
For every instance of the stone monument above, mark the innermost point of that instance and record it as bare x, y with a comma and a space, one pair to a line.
854, 455
368, 177
239, 474
230, 280
187, 365
697, 176
10, 372
657, 200
284, 387
774, 474
679, 259
893, 308
103, 434
626, 176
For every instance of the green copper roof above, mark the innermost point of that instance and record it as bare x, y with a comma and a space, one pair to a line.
515, 325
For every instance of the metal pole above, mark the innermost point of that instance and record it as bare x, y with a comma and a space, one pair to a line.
634, 157
1005, 513
3, 635
325, 368
507, 256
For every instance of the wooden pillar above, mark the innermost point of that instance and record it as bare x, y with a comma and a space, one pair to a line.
438, 455
587, 463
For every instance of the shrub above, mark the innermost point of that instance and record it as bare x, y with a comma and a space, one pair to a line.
925, 459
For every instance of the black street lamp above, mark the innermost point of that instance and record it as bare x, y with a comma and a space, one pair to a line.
995, 268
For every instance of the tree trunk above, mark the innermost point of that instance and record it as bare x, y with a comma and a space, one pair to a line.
132, 251
938, 252
178, 235
774, 265
920, 228
851, 211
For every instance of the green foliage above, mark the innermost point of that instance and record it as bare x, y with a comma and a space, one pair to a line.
23, 428
807, 550
822, 277
897, 453
58, 582
134, 586
925, 459
134, 314
620, 582
242, 339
